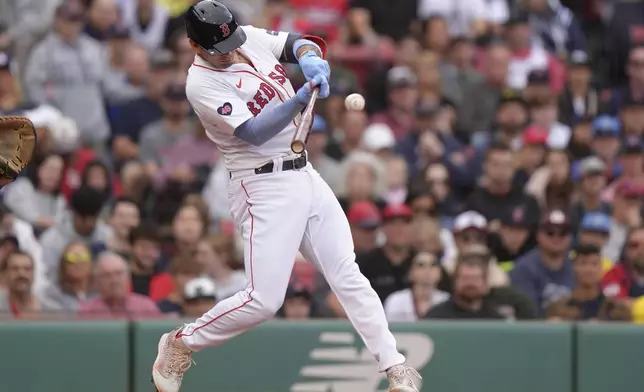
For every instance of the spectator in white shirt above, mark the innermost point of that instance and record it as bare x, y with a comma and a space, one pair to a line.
413, 303
146, 21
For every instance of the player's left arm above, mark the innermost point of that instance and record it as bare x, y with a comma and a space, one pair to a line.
306, 50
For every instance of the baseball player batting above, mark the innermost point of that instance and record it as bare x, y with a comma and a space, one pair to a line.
280, 204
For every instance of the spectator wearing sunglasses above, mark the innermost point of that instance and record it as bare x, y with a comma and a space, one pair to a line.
74, 280
545, 274
413, 303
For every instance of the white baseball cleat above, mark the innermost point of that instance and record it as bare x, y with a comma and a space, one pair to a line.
400, 379
173, 360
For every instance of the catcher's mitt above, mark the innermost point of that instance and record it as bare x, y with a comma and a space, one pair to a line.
17, 146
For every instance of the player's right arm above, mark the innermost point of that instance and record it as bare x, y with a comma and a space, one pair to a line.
216, 103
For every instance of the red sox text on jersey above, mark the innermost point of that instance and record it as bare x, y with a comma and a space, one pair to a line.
266, 93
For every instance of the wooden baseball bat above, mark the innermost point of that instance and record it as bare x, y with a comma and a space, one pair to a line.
298, 145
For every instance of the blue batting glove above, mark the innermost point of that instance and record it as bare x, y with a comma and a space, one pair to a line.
303, 95
313, 65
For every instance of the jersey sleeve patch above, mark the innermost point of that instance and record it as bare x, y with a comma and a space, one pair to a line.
272, 32
225, 110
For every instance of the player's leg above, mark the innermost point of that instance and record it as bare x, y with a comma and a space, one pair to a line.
327, 243
271, 211
272, 219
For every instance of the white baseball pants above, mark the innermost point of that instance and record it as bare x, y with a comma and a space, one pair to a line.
277, 214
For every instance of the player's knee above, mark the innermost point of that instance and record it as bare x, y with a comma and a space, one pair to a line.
268, 305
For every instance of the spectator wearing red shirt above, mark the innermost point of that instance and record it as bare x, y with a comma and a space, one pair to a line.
626, 215
321, 16
114, 299
626, 279
631, 163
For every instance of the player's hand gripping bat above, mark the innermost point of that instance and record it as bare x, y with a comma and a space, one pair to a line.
298, 145
17, 145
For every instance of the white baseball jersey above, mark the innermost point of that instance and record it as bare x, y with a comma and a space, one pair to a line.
225, 98
272, 223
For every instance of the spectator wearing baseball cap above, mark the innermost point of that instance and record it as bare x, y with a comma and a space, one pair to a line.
545, 274
387, 266
538, 85
471, 228
515, 237
402, 93
606, 132
579, 99
532, 154
364, 219
589, 167
595, 229
199, 296
590, 174
510, 119
586, 301
298, 303
378, 139
328, 167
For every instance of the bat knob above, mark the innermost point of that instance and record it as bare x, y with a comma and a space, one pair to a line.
298, 146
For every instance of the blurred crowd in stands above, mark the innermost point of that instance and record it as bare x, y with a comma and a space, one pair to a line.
497, 172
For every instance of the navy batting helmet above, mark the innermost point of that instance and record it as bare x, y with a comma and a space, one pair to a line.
213, 27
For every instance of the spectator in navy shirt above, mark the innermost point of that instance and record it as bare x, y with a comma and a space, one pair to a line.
555, 25
130, 118
586, 300
545, 274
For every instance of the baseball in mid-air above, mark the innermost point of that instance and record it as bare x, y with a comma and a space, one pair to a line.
354, 102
